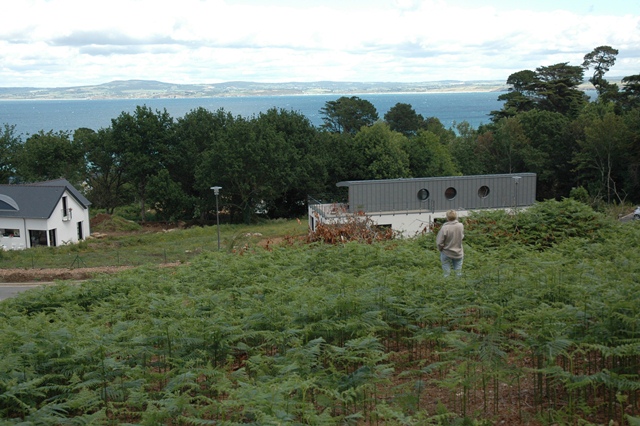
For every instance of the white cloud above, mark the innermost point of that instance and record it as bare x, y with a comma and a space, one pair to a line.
74, 42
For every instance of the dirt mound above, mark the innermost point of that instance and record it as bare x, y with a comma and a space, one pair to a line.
113, 223
98, 219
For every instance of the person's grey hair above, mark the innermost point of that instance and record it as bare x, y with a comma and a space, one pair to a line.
452, 215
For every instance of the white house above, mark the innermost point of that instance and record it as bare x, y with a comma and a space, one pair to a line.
410, 206
47, 213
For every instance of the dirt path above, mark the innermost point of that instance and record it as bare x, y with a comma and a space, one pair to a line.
15, 276
48, 275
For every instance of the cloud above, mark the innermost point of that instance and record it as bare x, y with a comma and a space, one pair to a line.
90, 38
72, 42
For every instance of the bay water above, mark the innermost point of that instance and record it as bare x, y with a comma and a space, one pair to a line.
31, 116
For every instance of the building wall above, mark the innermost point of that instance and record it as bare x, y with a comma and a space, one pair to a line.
67, 226
431, 194
407, 225
410, 206
8, 239
66, 230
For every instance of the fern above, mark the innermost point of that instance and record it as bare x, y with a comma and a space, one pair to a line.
322, 334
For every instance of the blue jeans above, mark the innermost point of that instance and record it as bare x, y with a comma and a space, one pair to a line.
449, 262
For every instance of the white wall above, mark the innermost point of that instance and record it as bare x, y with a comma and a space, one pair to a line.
405, 225
15, 242
67, 230
411, 224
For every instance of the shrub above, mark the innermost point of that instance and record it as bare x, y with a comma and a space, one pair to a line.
541, 226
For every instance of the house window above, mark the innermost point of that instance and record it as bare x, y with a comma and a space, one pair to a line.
10, 232
423, 194
483, 191
450, 193
37, 238
80, 234
65, 212
52, 238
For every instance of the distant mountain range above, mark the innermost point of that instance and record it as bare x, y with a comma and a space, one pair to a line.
148, 89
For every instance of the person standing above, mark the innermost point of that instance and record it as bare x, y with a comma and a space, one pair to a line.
449, 242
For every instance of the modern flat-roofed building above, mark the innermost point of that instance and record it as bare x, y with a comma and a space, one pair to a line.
409, 206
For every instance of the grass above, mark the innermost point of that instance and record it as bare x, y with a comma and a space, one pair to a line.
128, 245
534, 333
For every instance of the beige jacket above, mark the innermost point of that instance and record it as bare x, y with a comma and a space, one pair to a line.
449, 239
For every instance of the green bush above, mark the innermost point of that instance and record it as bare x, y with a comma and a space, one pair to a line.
580, 194
540, 226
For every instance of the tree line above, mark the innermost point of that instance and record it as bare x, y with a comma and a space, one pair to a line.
268, 164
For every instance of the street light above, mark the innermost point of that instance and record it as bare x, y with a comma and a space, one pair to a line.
516, 179
216, 191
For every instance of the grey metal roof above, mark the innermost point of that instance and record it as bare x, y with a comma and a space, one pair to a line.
36, 200
348, 183
63, 182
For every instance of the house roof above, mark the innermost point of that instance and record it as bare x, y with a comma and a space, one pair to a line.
36, 200
349, 183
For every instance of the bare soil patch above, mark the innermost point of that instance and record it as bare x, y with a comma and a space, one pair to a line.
45, 275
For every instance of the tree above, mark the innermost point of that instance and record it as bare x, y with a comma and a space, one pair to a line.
307, 164
521, 96
403, 118
196, 133
428, 156
550, 152
252, 162
340, 159
10, 144
632, 166
465, 151
348, 115
630, 96
169, 200
507, 147
551, 88
558, 89
435, 126
380, 153
602, 58
142, 139
602, 155
47, 156
107, 186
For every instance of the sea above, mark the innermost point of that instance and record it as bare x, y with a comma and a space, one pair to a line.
31, 116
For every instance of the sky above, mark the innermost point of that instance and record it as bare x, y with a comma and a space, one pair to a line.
64, 43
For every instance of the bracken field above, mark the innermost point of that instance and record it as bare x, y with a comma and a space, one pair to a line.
542, 329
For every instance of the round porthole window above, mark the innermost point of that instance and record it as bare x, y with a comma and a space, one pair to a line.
450, 193
423, 194
483, 191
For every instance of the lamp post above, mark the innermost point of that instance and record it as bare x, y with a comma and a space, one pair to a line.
216, 191
516, 179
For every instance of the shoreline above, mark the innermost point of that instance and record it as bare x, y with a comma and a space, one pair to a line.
150, 89
244, 95
122, 90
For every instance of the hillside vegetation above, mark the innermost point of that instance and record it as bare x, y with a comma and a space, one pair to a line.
541, 329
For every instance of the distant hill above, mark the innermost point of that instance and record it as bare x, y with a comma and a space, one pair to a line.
146, 89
